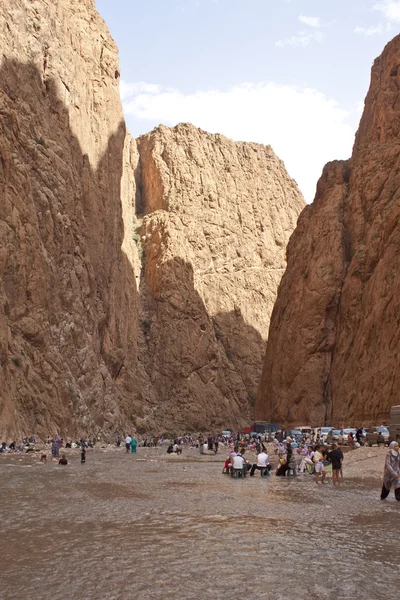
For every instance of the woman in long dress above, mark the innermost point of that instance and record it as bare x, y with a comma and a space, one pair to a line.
55, 447
391, 475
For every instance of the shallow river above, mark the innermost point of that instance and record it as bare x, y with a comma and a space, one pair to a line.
150, 526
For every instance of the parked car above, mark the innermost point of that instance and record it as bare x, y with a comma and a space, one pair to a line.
326, 433
377, 435
345, 435
296, 433
337, 436
305, 429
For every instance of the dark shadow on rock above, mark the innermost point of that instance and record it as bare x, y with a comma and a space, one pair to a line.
205, 369
69, 307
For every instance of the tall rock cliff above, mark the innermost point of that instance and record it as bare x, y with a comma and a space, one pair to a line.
333, 350
68, 295
137, 277
216, 218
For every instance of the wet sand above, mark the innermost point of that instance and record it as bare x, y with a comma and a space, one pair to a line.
154, 526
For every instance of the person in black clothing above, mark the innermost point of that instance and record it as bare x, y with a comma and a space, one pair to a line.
83, 455
359, 435
335, 457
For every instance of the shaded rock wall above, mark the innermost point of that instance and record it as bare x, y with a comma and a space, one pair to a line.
332, 354
137, 277
68, 348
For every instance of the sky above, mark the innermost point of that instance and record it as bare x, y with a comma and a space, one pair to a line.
289, 73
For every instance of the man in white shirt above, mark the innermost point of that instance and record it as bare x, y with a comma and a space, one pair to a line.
128, 440
238, 462
262, 463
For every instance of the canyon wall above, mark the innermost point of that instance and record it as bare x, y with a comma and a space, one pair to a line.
332, 353
216, 217
137, 276
68, 292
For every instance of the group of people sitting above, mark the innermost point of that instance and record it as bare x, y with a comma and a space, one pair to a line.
237, 462
174, 448
314, 459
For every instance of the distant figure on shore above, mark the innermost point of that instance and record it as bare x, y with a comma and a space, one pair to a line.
335, 457
391, 474
55, 446
83, 455
63, 460
128, 441
133, 445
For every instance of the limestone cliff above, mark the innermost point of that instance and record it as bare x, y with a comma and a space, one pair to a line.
332, 354
137, 277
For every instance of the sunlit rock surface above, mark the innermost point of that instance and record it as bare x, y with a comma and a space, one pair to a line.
334, 343
137, 277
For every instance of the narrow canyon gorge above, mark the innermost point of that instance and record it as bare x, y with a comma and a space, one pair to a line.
138, 276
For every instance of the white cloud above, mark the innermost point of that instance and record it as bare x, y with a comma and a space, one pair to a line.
368, 31
305, 128
310, 21
359, 107
303, 38
390, 9
130, 89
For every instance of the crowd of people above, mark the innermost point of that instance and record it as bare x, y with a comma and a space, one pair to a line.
290, 456
291, 460
55, 445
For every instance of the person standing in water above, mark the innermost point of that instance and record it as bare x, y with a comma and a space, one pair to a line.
133, 445
128, 440
391, 474
55, 446
83, 454
335, 457
319, 464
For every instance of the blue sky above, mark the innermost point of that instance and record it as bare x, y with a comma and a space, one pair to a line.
290, 73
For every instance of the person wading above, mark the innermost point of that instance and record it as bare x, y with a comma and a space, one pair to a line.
319, 465
391, 474
128, 441
335, 457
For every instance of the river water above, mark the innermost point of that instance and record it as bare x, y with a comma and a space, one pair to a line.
148, 526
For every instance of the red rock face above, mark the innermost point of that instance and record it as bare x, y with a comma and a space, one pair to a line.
215, 219
333, 349
137, 278
68, 351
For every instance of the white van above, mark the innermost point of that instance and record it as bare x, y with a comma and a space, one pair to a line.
305, 429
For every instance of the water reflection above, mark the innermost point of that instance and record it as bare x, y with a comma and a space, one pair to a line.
157, 528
